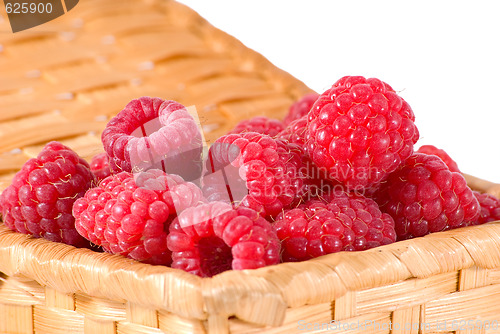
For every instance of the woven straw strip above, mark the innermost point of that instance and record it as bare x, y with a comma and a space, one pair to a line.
129, 328
100, 309
493, 276
141, 315
410, 315
295, 318
20, 291
97, 326
16, 318
472, 277
467, 305
411, 293
54, 298
57, 321
172, 323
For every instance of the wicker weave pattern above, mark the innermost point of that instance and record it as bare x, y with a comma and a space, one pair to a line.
64, 80
80, 70
409, 282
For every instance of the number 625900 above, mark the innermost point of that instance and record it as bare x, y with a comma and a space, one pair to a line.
25, 7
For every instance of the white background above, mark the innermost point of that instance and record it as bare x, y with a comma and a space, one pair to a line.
441, 56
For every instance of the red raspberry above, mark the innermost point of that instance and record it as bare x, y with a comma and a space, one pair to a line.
41, 196
340, 222
424, 196
300, 108
314, 181
154, 133
295, 132
255, 162
130, 216
99, 165
360, 130
306, 178
430, 149
490, 207
214, 237
260, 124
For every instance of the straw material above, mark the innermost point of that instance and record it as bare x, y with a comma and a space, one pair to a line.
66, 79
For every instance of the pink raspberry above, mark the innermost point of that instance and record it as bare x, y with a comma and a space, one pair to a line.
307, 180
424, 196
490, 208
300, 108
295, 132
314, 181
214, 237
430, 149
255, 162
130, 215
339, 222
99, 165
260, 124
42, 193
360, 130
154, 133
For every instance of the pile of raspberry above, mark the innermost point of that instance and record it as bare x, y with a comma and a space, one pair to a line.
338, 173
359, 135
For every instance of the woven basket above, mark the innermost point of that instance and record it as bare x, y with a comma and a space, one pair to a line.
64, 80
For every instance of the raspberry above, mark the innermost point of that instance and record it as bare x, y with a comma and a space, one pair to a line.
307, 180
313, 179
257, 166
430, 149
424, 196
300, 108
99, 165
360, 130
41, 196
295, 132
260, 124
490, 208
214, 237
130, 215
340, 222
154, 133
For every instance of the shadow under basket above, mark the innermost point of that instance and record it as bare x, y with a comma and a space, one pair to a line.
64, 80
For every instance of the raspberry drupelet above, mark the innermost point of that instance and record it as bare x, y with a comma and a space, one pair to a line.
40, 199
300, 108
430, 149
490, 207
340, 221
424, 196
360, 130
295, 132
130, 215
307, 180
214, 237
259, 124
99, 165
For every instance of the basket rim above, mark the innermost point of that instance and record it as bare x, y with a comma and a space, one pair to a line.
70, 270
